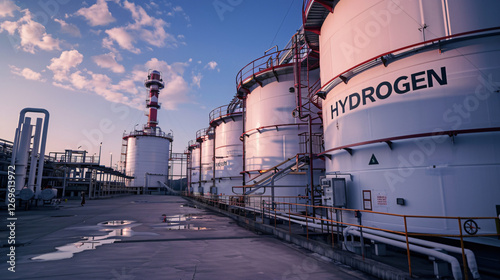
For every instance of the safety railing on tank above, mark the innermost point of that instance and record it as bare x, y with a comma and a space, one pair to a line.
224, 111
156, 131
192, 144
306, 5
274, 60
209, 131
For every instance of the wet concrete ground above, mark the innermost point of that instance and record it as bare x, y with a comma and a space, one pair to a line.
150, 237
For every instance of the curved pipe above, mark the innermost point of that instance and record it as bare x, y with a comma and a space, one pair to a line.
455, 265
471, 258
41, 159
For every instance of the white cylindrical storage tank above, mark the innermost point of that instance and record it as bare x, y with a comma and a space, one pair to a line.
411, 121
147, 160
206, 137
194, 147
228, 124
272, 130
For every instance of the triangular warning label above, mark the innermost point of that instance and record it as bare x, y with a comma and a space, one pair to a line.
373, 160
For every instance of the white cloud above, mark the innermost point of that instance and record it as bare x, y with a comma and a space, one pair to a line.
107, 43
127, 86
144, 28
139, 14
26, 73
109, 61
9, 26
69, 28
31, 33
158, 36
102, 85
7, 8
125, 92
212, 65
197, 80
130, 90
97, 14
61, 65
79, 81
177, 10
122, 38
67, 87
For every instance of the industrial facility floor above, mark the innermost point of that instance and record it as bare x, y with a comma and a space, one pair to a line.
153, 237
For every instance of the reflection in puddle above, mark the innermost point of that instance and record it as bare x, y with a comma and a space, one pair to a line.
179, 218
174, 222
122, 228
180, 227
116, 223
189, 205
67, 251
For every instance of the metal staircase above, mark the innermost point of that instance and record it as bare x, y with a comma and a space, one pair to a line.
272, 175
123, 154
268, 177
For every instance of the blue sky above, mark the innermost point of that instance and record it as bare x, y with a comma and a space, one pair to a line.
85, 62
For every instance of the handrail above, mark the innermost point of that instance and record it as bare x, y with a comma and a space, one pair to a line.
6, 141
154, 132
266, 62
282, 210
204, 132
273, 168
274, 177
270, 175
223, 112
379, 57
192, 143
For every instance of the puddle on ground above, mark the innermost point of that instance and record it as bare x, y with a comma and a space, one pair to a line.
139, 201
67, 251
173, 222
174, 226
116, 223
119, 228
189, 205
179, 218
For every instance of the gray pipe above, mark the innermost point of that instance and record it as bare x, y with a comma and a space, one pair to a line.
44, 139
455, 265
34, 154
471, 259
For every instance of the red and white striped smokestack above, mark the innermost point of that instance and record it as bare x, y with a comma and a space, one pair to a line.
154, 83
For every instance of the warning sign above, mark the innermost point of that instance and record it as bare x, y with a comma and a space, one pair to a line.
373, 160
381, 200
